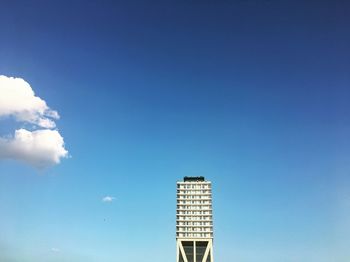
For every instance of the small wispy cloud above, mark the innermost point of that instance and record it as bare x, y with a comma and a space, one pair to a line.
55, 249
107, 199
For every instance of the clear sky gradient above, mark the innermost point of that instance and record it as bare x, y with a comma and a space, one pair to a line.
253, 95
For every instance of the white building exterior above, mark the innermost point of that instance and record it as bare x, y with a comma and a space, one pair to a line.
194, 220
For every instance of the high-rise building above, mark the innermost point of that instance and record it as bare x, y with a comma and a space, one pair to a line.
194, 220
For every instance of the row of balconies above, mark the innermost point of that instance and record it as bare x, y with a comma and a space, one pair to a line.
194, 229
191, 213
195, 224
195, 208
194, 202
207, 233
189, 187
194, 218
194, 235
206, 183
196, 194
191, 197
194, 190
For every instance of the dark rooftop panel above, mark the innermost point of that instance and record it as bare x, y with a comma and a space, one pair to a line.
193, 178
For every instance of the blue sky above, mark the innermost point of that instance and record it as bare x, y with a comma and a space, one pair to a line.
253, 95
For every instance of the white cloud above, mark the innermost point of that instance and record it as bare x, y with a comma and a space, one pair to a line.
18, 99
40, 148
55, 249
108, 199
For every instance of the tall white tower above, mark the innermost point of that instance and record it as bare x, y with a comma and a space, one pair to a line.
194, 221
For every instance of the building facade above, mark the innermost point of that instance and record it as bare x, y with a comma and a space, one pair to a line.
194, 220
